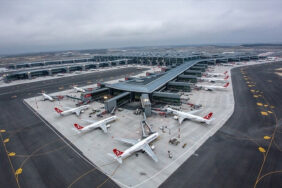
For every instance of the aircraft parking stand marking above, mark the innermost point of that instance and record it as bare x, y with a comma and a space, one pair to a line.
10, 162
261, 149
6, 140
259, 104
271, 138
12, 154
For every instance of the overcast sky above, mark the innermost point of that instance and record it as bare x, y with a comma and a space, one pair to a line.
34, 25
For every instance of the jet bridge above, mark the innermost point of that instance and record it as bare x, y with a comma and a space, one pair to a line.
193, 72
198, 68
189, 78
146, 104
184, 86
165, 97
117, 101
94, 94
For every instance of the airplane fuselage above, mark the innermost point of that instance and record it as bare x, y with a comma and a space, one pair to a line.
213, 87
215, 74
139, 145
97, 124
47, 97
188, 116
79, 89
73, 110
213, 79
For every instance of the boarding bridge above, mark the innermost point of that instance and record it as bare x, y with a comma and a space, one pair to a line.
193, 73
117, 101
189, 78
165, 97
146, 104
184, 86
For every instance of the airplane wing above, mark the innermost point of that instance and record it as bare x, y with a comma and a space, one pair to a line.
180, 119
194, 111
77, 112
150, 152
128, 141
103, 126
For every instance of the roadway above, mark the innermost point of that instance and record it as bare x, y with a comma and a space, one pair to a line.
247, 150
33, 154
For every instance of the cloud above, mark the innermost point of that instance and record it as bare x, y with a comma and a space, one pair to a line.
35, 25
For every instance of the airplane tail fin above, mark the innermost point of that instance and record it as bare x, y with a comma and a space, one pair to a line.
78, 126
226, 85
226, 77
117, 152
208, 116
117, 155
58, 110
209, 121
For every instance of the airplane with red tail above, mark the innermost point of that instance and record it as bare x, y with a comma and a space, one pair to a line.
215, 79
102, 124
215, 74
69, 110
212, 87
181, 116
136, 145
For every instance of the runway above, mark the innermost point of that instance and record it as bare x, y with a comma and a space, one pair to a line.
247, 150
32, 155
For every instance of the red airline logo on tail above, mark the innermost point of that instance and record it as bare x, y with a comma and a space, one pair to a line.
117, 152
208, 116
78, 126
226, 77
58, 110
226, 85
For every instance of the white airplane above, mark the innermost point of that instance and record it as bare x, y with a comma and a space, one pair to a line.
215, 74
76, 110
47, 97
136, 146
78, 89
212, 87
190, 115
227, 64
103, 124
215, 79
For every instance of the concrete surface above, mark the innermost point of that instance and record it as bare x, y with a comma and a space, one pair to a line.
95, 145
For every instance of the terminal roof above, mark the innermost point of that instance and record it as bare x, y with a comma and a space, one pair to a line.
155, 83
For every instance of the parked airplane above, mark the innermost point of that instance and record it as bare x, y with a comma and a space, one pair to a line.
215, 74
227, 64
76, 110
51, 98
47, 97
190, 115
78, 89
212, 87
103, 124
136, 146
215, 79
